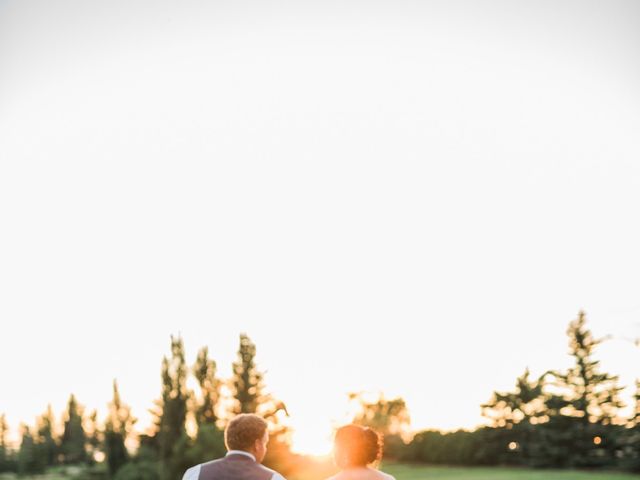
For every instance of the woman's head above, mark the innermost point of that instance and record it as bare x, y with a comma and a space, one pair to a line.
356, 446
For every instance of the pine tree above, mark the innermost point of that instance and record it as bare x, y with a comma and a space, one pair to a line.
205, 372
4, 450
634, 420
629, 440
172, 415
94, 436
525, 403
29, 462
118, 426
73, 441
45, 437
247, 380
593, 399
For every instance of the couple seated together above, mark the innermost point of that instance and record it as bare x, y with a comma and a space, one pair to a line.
246, 438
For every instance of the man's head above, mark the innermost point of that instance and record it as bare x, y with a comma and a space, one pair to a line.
247, 432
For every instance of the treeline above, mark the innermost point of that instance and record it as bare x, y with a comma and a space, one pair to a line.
188, 425
563, 419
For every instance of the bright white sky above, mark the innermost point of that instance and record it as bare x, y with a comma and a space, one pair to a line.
412, 197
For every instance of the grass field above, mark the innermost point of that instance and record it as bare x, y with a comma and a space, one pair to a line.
409, 472
414, 472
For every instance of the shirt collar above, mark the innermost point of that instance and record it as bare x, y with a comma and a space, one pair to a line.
240, 452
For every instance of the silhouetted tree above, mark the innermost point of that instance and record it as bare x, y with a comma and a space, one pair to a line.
525, 403
4, 448
117, 428
73, 441
45, 437
247, 380
29, 462
94, 436
171, 433
519, 411
205, 372
592, 401
629, 440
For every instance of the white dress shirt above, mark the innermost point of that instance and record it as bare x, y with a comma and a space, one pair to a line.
194, 472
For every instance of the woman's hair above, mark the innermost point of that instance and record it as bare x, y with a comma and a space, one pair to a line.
357, 446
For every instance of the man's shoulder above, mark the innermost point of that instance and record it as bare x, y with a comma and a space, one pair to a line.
193, 473
274, 475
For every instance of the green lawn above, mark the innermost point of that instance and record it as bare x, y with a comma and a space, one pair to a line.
409, 472
415, 472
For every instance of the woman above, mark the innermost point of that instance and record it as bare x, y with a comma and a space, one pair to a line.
355, 449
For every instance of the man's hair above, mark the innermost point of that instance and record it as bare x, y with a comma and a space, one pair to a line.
243, 431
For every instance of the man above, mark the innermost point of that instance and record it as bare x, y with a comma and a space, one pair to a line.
246, 439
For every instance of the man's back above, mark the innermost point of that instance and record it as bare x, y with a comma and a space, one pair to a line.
235, 466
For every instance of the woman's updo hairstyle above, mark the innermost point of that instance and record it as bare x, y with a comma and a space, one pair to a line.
357, 446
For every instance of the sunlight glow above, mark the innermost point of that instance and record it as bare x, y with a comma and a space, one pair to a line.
309, 443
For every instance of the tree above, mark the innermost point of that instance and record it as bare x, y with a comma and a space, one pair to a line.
74, 439
45, 437
205, 372
387, 416
4, 449
629, 441
525, 403
29, 462
247, 380
592, 400
279, 455
518, 412
117, 428
248, 391
172, 415
94, 436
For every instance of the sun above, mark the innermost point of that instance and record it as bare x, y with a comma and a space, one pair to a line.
311, 442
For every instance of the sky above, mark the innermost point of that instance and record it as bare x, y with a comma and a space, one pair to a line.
404, 197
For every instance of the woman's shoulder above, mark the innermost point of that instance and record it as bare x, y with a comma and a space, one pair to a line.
362, 474
386, 476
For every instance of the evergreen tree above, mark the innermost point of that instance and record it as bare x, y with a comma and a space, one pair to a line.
94, 436
629, 441
525, 403
73, 441
519, 412
554, 445
29, 462
172, 415
45, 437
4, 449
118, 426
593, 400
205, 372
634, 421
248, 392
247, 380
